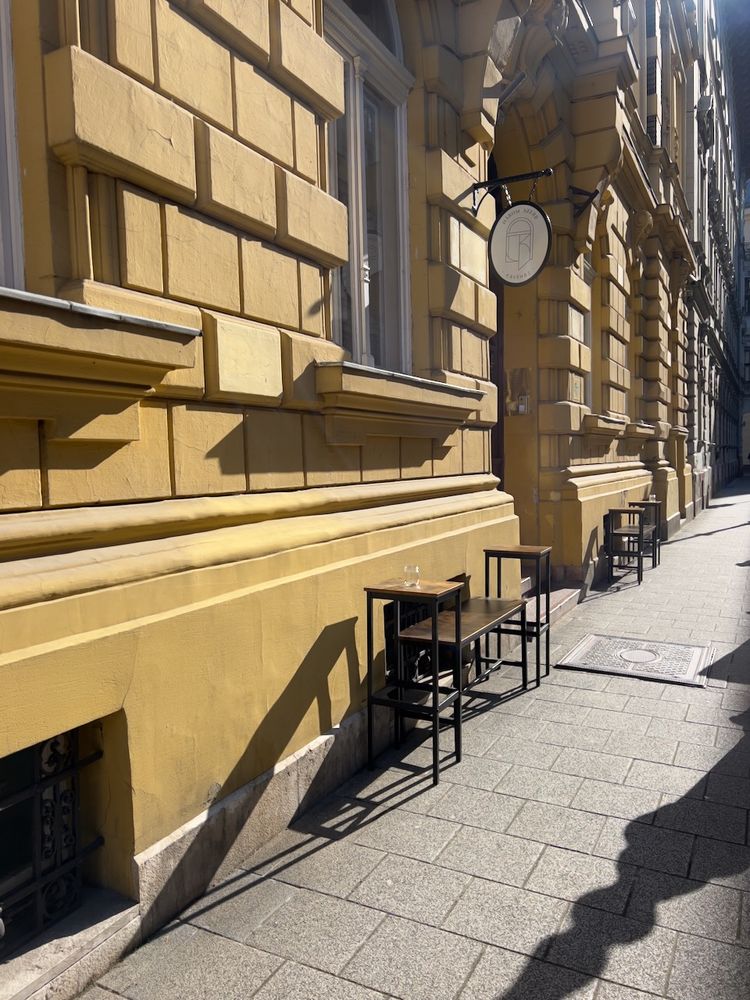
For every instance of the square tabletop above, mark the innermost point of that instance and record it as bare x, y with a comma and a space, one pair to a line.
425, 588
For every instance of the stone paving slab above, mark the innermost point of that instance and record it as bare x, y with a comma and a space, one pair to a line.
593, 844
182, 958
491, 855
704, 969
507, 974
414, 889
408, 959
712, 911
299, 982
478, 807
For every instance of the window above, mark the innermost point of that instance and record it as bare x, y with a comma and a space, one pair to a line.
368, 173
41, 863
11, 231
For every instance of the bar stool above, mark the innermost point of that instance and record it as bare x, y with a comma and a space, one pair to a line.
625, 526
540, 555
653, 521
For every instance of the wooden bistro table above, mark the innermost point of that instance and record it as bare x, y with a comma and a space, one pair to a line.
432, 594
445, 632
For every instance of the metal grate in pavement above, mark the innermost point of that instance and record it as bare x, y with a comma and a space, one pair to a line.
659, 661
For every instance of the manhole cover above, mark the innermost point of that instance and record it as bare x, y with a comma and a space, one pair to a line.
639, 655
659, 661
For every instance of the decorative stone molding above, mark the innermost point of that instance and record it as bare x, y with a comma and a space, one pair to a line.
603, 426
40, 335
359, 401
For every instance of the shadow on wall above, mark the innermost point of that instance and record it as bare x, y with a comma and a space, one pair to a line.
664, 844
308, 688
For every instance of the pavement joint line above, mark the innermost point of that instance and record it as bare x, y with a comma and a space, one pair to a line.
108, 989
474, 967
670, 964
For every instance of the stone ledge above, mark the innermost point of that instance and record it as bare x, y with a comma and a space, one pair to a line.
106, 547
602, 426
47, 336
393, 404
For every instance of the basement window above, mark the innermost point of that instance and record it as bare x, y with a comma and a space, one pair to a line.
42, 854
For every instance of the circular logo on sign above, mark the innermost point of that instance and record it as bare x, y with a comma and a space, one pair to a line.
520, 243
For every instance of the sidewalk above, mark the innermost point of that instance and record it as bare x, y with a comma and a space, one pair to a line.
593, 843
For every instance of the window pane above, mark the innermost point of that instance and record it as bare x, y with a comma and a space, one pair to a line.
377, 17
342, 287
381, 261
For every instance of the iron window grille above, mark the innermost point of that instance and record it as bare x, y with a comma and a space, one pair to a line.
42, 856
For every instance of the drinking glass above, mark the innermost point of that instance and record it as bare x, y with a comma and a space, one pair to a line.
411, 576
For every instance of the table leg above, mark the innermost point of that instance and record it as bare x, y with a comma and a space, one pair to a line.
524, 651
458, 707
435, 700
370, 709
538, 627
547, 604
398, 721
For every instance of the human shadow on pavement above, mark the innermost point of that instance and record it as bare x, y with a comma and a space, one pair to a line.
652, 871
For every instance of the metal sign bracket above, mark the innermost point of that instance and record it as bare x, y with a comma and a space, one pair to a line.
499, 182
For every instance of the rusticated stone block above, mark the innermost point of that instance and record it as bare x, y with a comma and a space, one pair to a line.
328, 465
234, 183
310, 221
264, 113
270, 290
141, 262
243, 360
299, 356
312, 302
130, 40
209, 450
486, 309
202, 261
451, 294
193, 67
305, 143
242, 23
94, 472
274, 450
20, 478
152, 145
305, 62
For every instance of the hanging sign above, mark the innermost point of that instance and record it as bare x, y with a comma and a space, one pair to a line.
520, 243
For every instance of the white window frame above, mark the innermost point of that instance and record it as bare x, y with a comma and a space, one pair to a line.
11, 218
367, 60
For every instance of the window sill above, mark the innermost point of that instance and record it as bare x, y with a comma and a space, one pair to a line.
599, 425
42, 335
360, 401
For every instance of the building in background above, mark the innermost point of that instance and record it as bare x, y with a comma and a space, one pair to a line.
734, 22
252, 362
714, 195
744, 305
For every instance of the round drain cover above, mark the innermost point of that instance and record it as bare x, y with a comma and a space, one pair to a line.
638, 655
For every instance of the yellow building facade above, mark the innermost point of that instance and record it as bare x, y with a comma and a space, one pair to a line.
251, 365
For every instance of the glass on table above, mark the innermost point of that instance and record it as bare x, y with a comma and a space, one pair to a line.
411, 576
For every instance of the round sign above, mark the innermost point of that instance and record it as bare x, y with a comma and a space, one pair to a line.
520, 243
